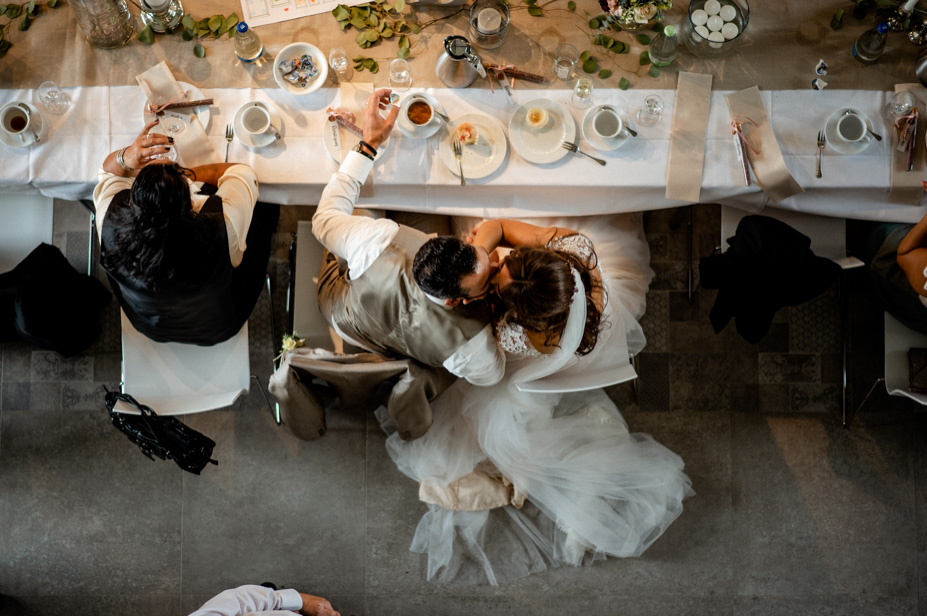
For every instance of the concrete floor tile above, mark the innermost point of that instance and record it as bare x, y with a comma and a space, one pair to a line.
89, 605
85, 512
610, 605
15, 396
789, 368
457, 605
49, 366
275, 508
17, 362
825, 606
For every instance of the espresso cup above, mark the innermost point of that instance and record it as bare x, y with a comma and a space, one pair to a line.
607, 124
852, 128
419, 112
14, 120
256, 120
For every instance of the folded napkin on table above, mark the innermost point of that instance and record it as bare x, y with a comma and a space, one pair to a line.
906, 186
161, 88
687, 139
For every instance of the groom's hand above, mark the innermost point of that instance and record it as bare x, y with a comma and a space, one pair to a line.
377, 128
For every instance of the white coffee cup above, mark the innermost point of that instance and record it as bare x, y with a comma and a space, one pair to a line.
14, 121
852, 128
606, 123
419, 111
256, 120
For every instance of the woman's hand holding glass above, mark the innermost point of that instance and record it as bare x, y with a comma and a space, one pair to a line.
148, 148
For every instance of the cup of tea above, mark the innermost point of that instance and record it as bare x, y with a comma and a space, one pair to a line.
419, 112
256, 120
14, 120
606, 123
852, 128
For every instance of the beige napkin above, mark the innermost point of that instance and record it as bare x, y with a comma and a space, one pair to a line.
354, 98
767, 163
906, 186
687, 139
160, 87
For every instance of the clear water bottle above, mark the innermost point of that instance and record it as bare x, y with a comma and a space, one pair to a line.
663, 47
870, 44
248, 45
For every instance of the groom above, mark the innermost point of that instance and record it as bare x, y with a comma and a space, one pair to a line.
400, 293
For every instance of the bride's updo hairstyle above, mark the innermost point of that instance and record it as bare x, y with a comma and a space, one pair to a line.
541, 288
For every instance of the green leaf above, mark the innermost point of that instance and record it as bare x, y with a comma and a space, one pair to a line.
199, 52
605, 74
358, 59
643, 39
400, 5
361, 38
188, 22
404, 42
535, 11
375, 68
31, 9
341, 13
146, 36
203, 23
645, 58
584, 56
621, 47
571, 6
624, 84
404, 53
14, 10
51, 4
186, 35
590, 65
201, 32
658, 27
399, 25
215, 22
372, 36
4, 46
359, 23
531, 2
654, 71
416, 29
373, 21
230, 22
2, 9
594, 23
368, 63
343, 24
24, 22
387, 33
836, 22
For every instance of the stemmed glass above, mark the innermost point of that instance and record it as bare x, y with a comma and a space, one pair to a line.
173, 125
582, 93
338, 60
400, 75
651, 111
55, 101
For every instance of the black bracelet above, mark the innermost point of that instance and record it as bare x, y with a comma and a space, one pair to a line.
372, 149
359, 148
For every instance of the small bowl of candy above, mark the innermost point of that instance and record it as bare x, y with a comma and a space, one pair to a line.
300, 68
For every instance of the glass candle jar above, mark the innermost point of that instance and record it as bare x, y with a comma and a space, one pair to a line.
104, 23
715, 27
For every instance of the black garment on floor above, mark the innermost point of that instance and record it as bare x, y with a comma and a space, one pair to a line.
768, 265
212, 300
45, 301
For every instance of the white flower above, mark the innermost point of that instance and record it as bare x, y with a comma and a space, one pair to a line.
645, 13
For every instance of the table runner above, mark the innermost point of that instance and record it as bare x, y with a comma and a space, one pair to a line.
687, 145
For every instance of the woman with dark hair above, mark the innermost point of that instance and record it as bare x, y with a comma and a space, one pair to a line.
185, 250
519, 481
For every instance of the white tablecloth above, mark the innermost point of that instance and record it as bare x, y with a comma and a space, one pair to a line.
410, 176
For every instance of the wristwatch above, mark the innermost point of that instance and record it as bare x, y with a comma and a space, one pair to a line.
121, 160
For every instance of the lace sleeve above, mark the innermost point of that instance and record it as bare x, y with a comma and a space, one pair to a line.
513, 340
576, 244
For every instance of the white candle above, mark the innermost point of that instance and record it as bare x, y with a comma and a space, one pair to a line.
714, 23
157, 5
702, 31
699, 17
729, 31
728, 12
909, 6
489, 20
716, 39
712, 7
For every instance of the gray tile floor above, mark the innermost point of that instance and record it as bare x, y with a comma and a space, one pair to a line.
793, 514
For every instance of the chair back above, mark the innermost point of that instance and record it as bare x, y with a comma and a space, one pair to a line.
308, 321
898, 339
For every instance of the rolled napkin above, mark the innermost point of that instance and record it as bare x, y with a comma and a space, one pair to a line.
687, 138
765, 156
162, 89
906, 186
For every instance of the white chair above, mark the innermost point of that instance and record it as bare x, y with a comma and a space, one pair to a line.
898, 339
25, 222
175, 379
828, 239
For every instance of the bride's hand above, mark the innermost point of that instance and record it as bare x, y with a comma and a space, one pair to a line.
487, 234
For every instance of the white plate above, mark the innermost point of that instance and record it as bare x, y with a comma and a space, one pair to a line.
193, 94
333, 133
414, 131
542, 145
483, 157
36, 122
294, 51
600, 143
833, 139
258, 141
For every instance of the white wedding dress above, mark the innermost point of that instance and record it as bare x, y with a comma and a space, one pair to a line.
593, 489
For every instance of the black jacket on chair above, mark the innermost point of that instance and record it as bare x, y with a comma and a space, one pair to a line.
768, 265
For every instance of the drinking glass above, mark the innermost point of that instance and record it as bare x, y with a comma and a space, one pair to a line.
582, 93
565, 58
651, 111
400, 75
55, 101
901, 104
338, 60
489, 20
173, 124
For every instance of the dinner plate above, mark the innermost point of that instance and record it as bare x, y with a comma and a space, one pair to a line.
36, 122
415, 131
294, 51
192, 94
257, 141
542, 145
483, 157
836, 142
601, 143
332, 136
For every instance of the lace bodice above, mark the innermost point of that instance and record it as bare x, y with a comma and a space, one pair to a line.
511, 336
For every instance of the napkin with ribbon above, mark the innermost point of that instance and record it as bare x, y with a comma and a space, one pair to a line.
763, 150
906, 186
354, 98
687, 139
161, 88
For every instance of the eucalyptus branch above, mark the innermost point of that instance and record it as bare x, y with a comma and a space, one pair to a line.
25, 12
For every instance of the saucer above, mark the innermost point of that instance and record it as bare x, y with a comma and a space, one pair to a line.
836, 142
36, 122
258, 141
542, 145
414, 131
601, 143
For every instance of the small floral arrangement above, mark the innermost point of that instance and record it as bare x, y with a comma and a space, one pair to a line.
630, 12
290, 343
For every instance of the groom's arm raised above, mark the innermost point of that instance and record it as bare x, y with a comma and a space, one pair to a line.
505, 232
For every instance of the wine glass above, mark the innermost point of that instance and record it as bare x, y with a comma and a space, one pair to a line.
55, 101
901, 104
338, 60
400, 75
651, 111
582, 93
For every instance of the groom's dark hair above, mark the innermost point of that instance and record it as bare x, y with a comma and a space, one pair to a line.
440, 263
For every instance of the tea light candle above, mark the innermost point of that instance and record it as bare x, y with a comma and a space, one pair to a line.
699, 17
712, 7
702, 31
716, 39
728, 12
714, 23
157, 5
730, 31
489, 20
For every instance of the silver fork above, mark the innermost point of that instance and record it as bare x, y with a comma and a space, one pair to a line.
566, 145
821, 141
229, 133
458, 153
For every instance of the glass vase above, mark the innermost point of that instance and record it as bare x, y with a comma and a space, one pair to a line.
104, 23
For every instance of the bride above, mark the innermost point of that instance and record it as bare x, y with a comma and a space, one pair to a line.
517, 481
